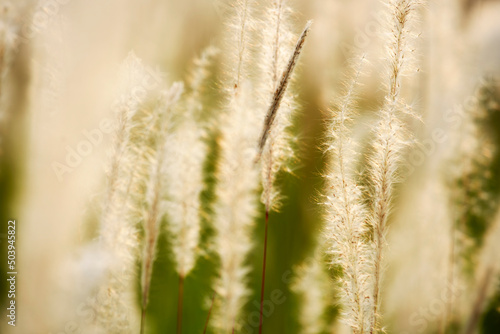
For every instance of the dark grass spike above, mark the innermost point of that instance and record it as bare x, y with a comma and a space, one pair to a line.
281, 89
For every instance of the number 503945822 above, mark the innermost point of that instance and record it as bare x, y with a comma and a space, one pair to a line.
11, 255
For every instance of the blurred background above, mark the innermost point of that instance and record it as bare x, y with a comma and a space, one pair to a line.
59, 63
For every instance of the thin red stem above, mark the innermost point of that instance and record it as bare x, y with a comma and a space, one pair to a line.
145, 292
263, 273
143, 319
179, 304
208, 315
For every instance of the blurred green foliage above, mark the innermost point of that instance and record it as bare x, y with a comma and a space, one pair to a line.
477, 196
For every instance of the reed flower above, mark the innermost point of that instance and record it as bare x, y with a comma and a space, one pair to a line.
275, 149
389, 138
185, 153
118, 234
155, 186
237, 175
274, 145
346, 214
236, 208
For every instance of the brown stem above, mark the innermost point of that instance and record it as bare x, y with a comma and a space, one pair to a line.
208, 315
148, 264
145, 296
143, 319
263, 273
179, 304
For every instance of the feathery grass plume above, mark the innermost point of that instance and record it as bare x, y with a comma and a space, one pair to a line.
127, 175
154, 188
198, 79
237, 176
236, 207
278, 39
389, 138
274, 144
183, 173
242, 24
312, 284
346, 214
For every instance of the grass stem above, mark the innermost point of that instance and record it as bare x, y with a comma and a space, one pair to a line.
208, 315
179, 304
143, 319
263, 272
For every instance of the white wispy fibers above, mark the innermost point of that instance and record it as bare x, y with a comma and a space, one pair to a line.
185, 153
238, 43
155, 186
236, 207
198, 80
237, 175
389, 136
276, 54
346, 215
127, 175
314, 288
183, 173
